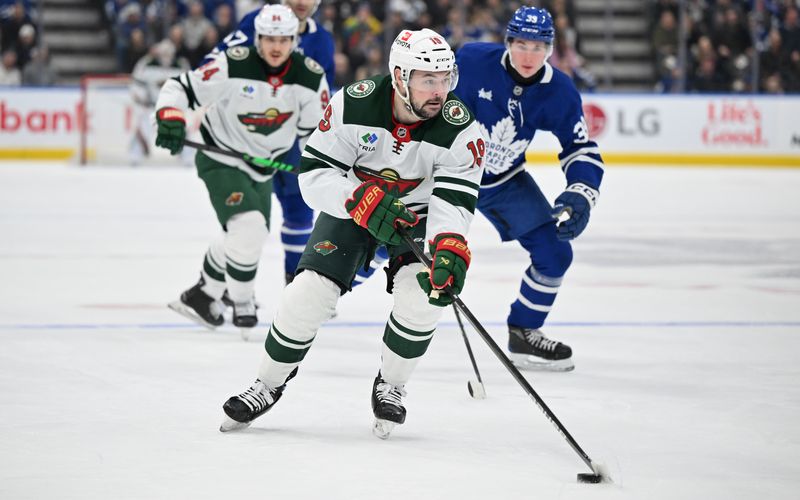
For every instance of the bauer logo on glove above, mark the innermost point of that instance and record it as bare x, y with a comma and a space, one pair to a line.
379, 213
451, 258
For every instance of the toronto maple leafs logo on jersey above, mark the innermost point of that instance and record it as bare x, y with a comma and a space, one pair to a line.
502, 146
264, 123
388, 180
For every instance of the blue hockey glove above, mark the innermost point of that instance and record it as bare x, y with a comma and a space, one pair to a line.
576, 201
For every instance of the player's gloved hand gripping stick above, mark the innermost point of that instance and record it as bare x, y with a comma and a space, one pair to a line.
599, 472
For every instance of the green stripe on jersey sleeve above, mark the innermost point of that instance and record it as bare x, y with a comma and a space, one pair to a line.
457, 198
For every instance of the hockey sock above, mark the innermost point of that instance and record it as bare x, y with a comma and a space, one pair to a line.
294, 237
410, 328
214, 269
243, 243
536, 296
305, 304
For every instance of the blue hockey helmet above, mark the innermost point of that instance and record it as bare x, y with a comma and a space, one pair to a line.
530, 23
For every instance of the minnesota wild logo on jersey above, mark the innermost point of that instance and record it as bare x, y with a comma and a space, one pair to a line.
388, 180
264, 123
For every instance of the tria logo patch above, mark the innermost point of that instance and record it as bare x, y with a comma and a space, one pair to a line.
264, 123
325, 247
369, 138
234, 199
388, 180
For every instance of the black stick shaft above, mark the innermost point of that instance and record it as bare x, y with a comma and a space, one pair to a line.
466, 343
458, 303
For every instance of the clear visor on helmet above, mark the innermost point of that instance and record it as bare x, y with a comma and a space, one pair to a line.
436, 81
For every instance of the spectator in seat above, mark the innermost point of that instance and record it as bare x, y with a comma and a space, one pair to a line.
39, 72
9, 73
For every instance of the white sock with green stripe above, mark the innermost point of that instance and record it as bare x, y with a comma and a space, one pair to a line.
214, 268
306, 303
243, 244
410, 328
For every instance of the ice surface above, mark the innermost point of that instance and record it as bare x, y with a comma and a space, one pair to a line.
681, 307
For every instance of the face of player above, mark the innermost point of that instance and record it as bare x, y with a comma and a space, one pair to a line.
428, 90
301, 8
527, 56
275, 49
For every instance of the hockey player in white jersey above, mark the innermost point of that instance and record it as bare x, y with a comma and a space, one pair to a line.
259, 100
398, 149
148, 76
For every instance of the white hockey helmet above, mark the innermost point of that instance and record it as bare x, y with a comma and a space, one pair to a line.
423, 50
277, 20
311, 11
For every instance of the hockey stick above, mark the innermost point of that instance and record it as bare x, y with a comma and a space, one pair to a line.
255, 160
599, 473
476, 389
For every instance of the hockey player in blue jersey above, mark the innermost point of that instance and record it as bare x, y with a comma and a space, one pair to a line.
513, 92
316, 43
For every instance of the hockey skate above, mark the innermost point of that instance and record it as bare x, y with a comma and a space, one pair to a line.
241, 410
244, 316
529, 349
387, 406
199, 307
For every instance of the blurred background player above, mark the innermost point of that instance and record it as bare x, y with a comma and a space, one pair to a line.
421, 169
260, 100
317, 43
513, 92
151, 71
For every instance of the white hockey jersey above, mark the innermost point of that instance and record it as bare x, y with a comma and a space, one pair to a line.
250, 110
433, 166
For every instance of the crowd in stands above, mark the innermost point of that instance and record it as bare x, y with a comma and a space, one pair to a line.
730, 46
727, 45
359, 28
23, 60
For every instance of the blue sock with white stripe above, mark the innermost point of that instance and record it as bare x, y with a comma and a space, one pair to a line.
536, 296
294, 237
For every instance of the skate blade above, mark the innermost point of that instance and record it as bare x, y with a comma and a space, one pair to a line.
533, 363
382, 428
230, 424
187, 312
245, 333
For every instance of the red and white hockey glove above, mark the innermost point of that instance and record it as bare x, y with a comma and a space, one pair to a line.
451, 258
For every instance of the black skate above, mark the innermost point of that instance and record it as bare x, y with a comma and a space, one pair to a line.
530, 350
387, 406
199, 307
241, 410
244, 316
228, 301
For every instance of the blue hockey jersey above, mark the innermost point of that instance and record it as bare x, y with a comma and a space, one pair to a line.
510, 115
315, 42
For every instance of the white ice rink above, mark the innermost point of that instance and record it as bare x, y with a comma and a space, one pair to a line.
681, 307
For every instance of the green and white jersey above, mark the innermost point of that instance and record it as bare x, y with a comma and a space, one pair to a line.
433, 166
249, 110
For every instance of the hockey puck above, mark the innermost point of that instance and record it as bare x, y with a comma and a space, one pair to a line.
585, 477
476, 389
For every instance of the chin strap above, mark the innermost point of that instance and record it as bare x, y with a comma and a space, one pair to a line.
406, 100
